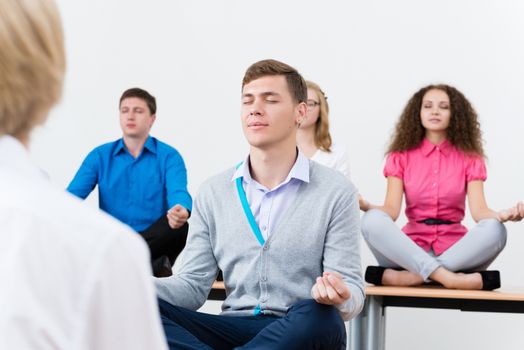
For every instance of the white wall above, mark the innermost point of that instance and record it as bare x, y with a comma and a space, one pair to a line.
369, 57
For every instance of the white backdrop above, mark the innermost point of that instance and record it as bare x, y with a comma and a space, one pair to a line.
369, 57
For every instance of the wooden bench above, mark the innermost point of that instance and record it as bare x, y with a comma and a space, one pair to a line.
368, 330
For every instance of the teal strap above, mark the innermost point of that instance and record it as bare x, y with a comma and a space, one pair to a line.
251, 220
257, 310
247, 211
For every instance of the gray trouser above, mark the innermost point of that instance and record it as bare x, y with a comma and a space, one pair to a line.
393, 248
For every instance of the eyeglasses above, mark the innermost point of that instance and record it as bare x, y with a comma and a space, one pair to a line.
312, 104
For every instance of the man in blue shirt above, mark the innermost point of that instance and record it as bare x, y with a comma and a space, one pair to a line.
141, 181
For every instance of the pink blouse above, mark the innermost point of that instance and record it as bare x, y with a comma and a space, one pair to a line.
435, 179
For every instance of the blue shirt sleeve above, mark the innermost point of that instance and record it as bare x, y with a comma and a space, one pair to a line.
176, 182
86, 177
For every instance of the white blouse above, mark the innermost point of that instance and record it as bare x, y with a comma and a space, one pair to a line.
336, 159
71, 276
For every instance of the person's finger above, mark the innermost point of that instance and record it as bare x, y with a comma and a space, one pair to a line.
335, 279
178, 215
171, 223
340, 286
508, 214
314, 292
180, 212
321, 288
521, 209
326, 282
513, 213
317, 296
502, 216
333, 296
362, 203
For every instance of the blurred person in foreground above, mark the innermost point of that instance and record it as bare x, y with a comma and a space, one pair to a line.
72, 277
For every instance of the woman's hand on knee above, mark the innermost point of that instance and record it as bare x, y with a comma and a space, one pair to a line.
520, 208
362, 203
515, 213
330, 289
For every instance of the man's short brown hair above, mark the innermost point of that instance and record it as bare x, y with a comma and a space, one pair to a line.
295, 82
141, 94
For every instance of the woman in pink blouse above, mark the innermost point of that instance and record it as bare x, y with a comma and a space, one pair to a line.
436, 159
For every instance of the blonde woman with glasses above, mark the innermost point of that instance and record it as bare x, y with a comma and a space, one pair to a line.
313, 137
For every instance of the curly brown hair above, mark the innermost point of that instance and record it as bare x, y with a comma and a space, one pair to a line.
463, 131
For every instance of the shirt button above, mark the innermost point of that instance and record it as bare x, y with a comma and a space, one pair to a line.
264, 278
434, 184
264, 227
436, 171
266, 247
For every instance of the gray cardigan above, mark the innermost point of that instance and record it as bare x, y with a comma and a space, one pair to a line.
319, 232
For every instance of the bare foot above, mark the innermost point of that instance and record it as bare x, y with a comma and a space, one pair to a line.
467, 281
401, 278
453, 280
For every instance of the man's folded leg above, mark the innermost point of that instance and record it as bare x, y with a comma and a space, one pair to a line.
164, 241
308, 325
187, 329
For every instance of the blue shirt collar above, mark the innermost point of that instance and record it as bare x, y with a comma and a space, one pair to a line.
299, 171
150, 145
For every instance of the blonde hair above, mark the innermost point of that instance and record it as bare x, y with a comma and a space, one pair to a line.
322, 135
32, 63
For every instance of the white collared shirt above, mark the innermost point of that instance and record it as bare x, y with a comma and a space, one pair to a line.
268, 206
336, 159
71, 276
